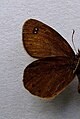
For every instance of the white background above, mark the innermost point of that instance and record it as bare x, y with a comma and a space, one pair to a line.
15, 101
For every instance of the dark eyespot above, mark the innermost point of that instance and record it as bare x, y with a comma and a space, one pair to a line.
35, 30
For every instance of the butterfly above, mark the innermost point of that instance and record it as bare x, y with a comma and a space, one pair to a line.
56, 64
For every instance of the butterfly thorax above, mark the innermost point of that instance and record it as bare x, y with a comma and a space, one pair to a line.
78, 69
78, 62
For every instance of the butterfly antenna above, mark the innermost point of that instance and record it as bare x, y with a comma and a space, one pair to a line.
73, 40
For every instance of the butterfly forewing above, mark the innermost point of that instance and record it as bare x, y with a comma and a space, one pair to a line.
48, 77
42, 41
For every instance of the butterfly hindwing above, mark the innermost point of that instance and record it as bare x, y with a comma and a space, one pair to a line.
48, 77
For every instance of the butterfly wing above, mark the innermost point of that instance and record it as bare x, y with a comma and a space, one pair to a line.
42, 41
48, 77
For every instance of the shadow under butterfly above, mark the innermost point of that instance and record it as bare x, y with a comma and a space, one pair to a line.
57, 63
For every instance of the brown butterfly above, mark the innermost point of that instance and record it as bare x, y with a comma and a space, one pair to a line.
57, 63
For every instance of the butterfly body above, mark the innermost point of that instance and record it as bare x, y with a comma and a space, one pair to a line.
57, 63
